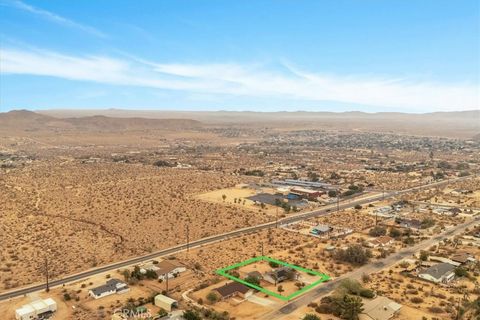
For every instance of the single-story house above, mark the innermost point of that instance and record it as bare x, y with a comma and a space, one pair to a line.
321, 229
232, 289
409, 223
439, 273
111, 287
280, 274
382, 241
164, 302
380, 308
385, 211
170, 269
463, 258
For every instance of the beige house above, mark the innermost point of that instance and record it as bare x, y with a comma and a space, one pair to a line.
380, 308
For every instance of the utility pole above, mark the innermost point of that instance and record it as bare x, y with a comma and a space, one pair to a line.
46, 273
262, 248
338, 200
188, 239
276, 218
166, 282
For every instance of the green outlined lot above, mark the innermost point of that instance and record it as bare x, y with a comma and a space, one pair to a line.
224, 272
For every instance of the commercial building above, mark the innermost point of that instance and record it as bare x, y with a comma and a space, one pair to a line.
307, 193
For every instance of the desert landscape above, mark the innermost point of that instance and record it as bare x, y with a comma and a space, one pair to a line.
81, 191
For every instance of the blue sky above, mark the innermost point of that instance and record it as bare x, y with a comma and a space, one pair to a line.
372, 55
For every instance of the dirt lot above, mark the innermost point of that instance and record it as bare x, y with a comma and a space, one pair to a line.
123, 209
237, 197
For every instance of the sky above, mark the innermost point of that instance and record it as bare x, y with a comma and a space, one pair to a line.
256, 55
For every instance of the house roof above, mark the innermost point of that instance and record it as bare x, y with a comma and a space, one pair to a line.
461, 257
380, 308
25, 310
111, 285
163, 298
384, 239
322, 228
231, 288
439, 270
281, 272
304, 190
165, 266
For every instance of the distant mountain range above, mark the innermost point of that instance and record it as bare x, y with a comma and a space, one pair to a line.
462, 124
24, 120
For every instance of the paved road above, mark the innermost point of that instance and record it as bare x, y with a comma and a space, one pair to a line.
216, 238
370, 268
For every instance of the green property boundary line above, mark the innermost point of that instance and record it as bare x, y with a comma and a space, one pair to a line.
224, 272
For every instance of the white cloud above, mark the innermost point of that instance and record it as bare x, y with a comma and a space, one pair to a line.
245, 80
51, 17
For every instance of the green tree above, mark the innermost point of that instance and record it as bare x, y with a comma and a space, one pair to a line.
310, 316
395, 233
427, 223
423, 255
253, 280
162, 313
461, 272
332, 193
151, 274
126, 275
313, 176
350, 307
224, 197
354, 254
212, 297
377, 231
191, 315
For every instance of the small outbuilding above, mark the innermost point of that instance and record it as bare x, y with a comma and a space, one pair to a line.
164, 302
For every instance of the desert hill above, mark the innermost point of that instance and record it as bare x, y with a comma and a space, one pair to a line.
461, 124
23, 120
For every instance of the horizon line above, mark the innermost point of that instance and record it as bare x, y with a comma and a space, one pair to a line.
235, 111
